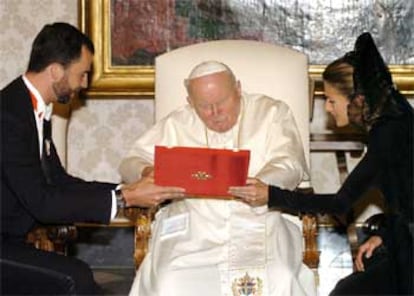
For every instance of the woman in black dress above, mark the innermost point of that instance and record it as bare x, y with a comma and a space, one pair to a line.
359, 90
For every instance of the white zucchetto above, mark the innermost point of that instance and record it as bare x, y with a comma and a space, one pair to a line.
207, 68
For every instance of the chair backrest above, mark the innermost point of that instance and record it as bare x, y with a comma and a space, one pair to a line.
277, 71
273, 70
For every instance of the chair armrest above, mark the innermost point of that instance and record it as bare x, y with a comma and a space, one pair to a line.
310, 232
52, 238
142, 219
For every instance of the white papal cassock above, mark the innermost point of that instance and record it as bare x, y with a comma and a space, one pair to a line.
207, 247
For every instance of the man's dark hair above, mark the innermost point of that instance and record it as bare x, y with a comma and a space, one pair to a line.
57, 43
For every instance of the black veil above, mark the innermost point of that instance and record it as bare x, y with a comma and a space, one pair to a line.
373, 80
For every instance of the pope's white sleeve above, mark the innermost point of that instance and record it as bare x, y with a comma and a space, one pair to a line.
286, 163
141, 154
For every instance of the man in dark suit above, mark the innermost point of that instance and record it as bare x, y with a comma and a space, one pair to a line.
35, 189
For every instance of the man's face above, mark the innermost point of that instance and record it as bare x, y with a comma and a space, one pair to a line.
216, 100
75, 77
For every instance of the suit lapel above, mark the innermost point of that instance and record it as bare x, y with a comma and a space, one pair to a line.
25, 105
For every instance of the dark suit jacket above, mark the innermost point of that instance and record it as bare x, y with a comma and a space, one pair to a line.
26, 196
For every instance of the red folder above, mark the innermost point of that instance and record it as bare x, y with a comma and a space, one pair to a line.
203, 172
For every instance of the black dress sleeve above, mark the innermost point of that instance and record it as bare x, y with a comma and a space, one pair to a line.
363, 177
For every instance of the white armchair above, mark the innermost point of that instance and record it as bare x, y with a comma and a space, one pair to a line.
277, 71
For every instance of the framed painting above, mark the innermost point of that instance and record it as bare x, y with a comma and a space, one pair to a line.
129, 34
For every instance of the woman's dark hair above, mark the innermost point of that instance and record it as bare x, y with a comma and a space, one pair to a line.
364, 72
57, 43
339, 74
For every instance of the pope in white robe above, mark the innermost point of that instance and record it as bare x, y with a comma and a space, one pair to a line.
210, 247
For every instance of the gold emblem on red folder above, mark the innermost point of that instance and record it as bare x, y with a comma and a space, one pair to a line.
203, 172
200, 175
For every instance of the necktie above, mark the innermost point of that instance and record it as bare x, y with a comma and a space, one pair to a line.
46, 153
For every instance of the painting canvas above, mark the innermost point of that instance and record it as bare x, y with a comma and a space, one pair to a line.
130, 34
141, 30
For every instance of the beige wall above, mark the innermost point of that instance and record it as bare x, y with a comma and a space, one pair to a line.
20, 20
101, 131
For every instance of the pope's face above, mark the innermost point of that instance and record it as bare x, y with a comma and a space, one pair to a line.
336, 104
216, 100
75, 77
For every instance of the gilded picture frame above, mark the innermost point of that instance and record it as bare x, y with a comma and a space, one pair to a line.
108, 80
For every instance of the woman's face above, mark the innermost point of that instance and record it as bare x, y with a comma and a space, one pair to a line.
336, 104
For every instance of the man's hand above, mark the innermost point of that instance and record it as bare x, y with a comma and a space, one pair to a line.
255, 193
366, 249
144, 193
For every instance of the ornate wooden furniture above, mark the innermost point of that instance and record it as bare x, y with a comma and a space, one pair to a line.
52, 238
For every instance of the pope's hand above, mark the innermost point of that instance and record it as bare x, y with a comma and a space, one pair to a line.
144, 193
255, 193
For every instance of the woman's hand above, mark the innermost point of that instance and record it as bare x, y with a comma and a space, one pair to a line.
255, 193
366, 249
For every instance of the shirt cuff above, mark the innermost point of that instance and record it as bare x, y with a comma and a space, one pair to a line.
114, 209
